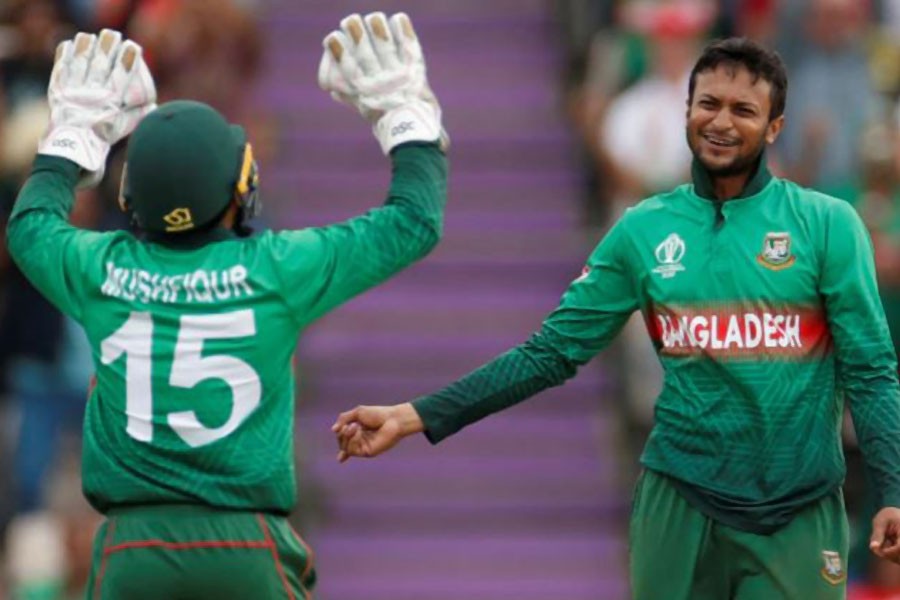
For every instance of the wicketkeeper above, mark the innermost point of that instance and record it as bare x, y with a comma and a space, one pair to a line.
193, 321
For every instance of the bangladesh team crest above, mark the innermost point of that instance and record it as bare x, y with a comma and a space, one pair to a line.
833, 572
776, 251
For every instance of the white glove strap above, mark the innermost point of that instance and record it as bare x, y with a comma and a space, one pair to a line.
416, 121
80, 145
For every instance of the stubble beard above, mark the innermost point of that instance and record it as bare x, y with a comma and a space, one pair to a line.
741, 165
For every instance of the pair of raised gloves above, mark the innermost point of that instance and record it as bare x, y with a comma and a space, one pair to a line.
101, 88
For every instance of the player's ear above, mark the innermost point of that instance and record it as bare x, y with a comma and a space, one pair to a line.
773, 129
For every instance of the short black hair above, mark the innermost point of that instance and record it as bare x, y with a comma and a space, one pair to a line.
759, 61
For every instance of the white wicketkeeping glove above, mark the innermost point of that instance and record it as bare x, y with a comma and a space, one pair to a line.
99, 90
376, 65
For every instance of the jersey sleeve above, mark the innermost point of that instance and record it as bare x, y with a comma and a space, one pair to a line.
592, 311
867, 366
50, 251
323, 267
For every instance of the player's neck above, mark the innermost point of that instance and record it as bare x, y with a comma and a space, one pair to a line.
230, 217
740, 185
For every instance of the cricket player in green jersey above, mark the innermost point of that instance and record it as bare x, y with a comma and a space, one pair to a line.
760, 297
188, 434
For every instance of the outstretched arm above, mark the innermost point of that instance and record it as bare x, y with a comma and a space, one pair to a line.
593, 310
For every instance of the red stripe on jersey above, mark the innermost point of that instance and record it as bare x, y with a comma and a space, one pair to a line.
265, 544
185, 545
733, 331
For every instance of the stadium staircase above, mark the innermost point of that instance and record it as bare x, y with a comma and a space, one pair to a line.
525, 505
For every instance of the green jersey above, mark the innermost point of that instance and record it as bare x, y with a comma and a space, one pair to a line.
193, 346
763, 309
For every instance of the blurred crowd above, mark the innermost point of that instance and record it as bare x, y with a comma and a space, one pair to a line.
209, 50
625, 82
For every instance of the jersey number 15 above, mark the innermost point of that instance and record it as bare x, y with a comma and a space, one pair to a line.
134, 339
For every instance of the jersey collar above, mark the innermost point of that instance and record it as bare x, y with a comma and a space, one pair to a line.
703, 182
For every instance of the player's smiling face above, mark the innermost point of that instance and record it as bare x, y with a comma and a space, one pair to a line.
728, 122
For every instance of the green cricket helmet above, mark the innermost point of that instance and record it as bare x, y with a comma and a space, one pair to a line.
184, 165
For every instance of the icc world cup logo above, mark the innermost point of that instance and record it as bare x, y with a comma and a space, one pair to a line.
670, 250
669, 254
